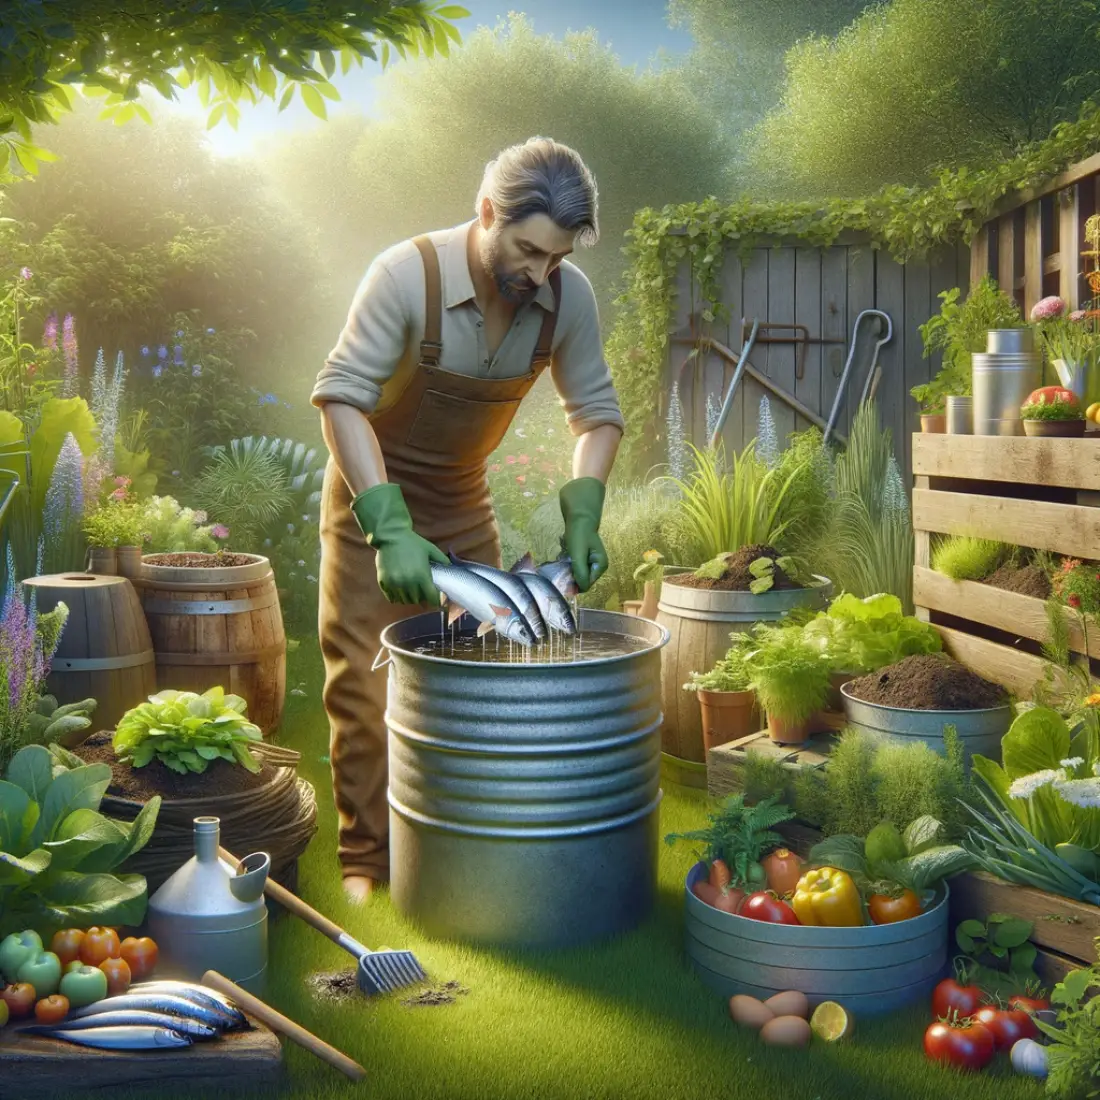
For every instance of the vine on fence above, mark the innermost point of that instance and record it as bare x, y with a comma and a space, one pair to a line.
907, 222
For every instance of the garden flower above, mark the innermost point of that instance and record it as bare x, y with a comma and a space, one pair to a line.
25, 273
200, 517
178, 349
1072, 762
144, 349
1078, 315
220, 531
162, 352
1027, 785
179, 332
521, 478
523, 460
122, 481
495, 468
196, 370
158, 370
118, 494
49, 336
209, 332
521, 433
1080, 792
1047, 308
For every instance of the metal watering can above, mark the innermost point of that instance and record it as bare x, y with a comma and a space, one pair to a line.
212, 916
1079, 376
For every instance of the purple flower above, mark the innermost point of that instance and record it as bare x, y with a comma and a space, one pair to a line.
220, 531
49, 336
162, 352
178, 349
196, 370
157, 371
72, 356
209, 332
144, 349
270, 399
179, 332
1047, 308
64, 507
25, 273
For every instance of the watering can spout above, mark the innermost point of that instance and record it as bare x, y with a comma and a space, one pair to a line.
248, 883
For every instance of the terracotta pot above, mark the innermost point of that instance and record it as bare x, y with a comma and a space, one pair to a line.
632, 607
101, 560
1061, 428
129, 561
834, 705
727, 715
934, 425
790, 733
649, 601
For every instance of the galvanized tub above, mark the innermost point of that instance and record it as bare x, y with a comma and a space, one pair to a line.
871, 970
700, 622
980, 731
524, 798
1003, 375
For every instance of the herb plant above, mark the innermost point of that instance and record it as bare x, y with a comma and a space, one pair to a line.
1002, 938
1073, 1056
185, 731
788, 675
1052, 410
729, 673
966, 558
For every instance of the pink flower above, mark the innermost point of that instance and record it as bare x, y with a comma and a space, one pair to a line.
510, 459
122, 482
495, 468
118, 494
1078, 315
524, 460
220, 531
25, 273
1046, 308
521, 478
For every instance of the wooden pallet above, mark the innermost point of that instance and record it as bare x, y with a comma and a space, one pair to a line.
1036, 493
725, 763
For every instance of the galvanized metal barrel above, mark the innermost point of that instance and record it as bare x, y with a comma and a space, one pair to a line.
524, 798
1003, 375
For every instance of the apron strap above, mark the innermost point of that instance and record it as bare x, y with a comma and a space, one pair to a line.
431, 347
541, 357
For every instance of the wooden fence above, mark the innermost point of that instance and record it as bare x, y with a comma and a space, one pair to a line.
810, 299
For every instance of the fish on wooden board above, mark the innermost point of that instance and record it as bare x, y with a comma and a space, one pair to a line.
198, 994
137, 1017
168, 1003
553, 606
133, 1037
493, 608
510, 584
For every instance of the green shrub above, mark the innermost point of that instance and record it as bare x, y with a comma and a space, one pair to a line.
967, 558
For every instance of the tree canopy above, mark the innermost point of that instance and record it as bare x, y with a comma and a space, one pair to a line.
233, 50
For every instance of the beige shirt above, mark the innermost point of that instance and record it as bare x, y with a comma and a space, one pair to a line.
380, 345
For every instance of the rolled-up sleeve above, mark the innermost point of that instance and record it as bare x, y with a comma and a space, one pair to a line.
370, 347
578, 367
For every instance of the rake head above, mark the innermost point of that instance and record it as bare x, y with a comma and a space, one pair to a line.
386, 971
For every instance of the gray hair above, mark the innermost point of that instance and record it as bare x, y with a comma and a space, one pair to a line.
542, 176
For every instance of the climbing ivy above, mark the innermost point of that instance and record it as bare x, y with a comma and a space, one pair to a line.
907, 222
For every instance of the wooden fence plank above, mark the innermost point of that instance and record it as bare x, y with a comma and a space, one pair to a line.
755, 284
834, 325
1017, 672
1068, 463
781, 357
807, 311
890, 298
861, 296
918, 308
1006, 254
1069, 282
1033, 254
733, 297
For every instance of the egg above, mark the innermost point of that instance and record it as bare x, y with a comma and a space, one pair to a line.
749, 1012
786, 1031
791, 1003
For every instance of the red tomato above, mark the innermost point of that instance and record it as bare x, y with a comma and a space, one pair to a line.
968, 1046
1007, 1025
118, 976
51, 1009
99, 944
950, 997
1029, 1004
66, 945
19, 998
140, 955
887, 910
1050, 395
766, 906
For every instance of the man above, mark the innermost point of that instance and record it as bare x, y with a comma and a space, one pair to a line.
445, 336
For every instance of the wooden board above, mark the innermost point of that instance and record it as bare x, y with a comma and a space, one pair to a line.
51, 1067
1069, 463
1025, 616
1017, 672
725, 762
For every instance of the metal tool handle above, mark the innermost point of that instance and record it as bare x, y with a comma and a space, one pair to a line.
278, 1022
378, 662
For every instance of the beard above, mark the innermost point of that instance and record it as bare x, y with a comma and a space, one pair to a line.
514, 289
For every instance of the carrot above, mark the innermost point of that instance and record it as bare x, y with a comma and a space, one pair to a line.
720, 876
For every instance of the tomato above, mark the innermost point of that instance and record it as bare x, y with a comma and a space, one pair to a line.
1050, 395
967, 1045
783, 869
1029, 1004
51, 1009
887, 910
950, 997
66, 944
118, 976
19, 998
99, 944
1007, 1025
765, 906
140, 955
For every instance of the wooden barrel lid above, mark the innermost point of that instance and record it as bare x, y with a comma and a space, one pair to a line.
75, 580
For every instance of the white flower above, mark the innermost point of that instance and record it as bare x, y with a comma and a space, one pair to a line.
1080, 792
1072, 762
1027, 785
1096, 768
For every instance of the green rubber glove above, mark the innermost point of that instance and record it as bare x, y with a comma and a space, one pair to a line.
404, 558
582, 508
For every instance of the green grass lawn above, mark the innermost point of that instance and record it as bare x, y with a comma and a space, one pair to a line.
628, 1019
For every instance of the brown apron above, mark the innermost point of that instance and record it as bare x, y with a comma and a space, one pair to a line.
436, 439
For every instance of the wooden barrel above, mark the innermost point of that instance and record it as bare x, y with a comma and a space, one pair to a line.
700, 621
218, 625
871, 970
105, 652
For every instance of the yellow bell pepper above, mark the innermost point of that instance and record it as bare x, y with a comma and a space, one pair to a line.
829, 898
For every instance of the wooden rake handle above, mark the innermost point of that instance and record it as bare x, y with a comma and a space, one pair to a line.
278, 1022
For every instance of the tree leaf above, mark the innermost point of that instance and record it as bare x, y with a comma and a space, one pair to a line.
288, 95
328, 62
312, 99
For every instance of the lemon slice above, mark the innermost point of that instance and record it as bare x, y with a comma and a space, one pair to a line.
831, 1022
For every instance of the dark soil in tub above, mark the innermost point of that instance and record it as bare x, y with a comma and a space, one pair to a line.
140, 784
737, 577
928, 682
199, 561
1028, 580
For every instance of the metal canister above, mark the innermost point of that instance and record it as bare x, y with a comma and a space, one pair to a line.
1003, 376
209, 916
960, 416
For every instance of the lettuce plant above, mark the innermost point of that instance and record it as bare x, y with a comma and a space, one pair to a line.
57, 851
185, 731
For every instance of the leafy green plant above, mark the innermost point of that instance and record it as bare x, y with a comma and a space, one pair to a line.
1073, 1054
51, 723
169, 527
1005, 939
967, 558
763, 573
729, 673
788, 675
1052, 410
116, 522
57, 851
185, 731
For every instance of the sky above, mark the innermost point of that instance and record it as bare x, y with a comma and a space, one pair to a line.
634, 30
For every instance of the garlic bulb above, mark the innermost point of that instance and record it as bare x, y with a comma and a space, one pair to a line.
1029, 1057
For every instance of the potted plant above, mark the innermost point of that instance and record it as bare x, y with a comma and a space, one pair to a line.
791, 682
114, 533
649, 572
1052, 411
1071, 343
726, 702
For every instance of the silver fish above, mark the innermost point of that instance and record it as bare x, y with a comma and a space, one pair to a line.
552, 604
510, 584
133, 1037
493, 608
560, 574
197, 994
167, 1003
133, 1017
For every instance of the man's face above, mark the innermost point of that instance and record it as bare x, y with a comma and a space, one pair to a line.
519, 257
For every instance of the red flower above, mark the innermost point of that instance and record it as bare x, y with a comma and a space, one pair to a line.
1074, 601
521, 478
510, 459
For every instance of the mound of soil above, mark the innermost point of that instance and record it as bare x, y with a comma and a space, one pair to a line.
140, 784
928, 682
220, 560
737, 577
1029, 580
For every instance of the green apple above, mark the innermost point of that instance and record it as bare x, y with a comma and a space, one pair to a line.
16, 949
83, 985
43, 971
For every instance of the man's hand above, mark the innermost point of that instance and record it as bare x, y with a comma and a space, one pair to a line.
582, 508
404, 559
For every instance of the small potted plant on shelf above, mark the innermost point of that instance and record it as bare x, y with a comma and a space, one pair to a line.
791, 682
726, 702
1052, 411
114, 533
